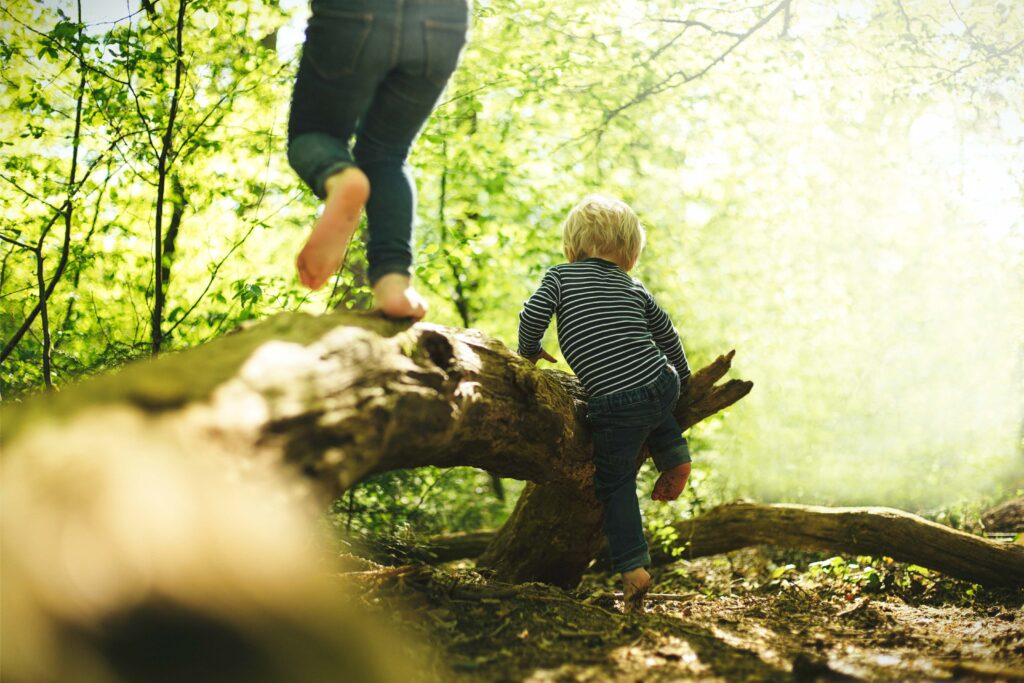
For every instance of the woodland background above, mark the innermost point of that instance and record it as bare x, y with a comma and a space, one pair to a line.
834, 189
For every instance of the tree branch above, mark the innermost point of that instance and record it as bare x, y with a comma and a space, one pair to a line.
680, 77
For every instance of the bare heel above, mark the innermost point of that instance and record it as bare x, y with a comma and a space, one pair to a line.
635, 584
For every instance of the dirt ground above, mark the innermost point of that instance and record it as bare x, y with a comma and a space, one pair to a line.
755, 615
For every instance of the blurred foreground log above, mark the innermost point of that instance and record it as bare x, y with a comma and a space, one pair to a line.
874, 531
132, 562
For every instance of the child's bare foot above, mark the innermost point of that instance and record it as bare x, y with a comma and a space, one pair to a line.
394, 296
347, 192
635, 584
671, 483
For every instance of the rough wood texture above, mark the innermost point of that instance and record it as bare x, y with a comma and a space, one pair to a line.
569, 517
873, 531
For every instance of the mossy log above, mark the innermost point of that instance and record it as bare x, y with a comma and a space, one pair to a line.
876, 531
338, 397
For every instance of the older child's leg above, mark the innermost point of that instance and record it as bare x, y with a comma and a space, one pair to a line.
435, 34
346, 54
325, 249
395, 297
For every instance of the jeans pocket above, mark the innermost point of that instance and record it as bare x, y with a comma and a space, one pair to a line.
443, 41
335, 39
671, 396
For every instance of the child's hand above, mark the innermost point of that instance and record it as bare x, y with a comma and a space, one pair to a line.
671, 483
542, 355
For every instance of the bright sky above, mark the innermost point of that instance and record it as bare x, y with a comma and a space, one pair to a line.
98, 11
102, 12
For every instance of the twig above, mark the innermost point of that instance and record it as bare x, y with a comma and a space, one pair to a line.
380, 574
16, 243
664, 597
677, 78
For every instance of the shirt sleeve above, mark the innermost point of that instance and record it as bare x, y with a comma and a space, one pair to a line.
666, 337
536, 314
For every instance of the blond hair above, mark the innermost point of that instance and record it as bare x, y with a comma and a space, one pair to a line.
603, 226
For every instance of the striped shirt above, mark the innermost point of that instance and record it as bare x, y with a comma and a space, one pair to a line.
612, 333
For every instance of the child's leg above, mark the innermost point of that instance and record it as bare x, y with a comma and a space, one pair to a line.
671, 456
343, 60
635, 584
615, 462
435, 33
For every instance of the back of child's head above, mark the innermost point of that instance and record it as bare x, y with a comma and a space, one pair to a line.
602, 226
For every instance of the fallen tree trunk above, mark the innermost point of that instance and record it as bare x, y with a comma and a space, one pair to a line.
338, 397
874, 531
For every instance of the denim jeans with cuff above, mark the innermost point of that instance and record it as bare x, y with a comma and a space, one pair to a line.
373, 70
620, 423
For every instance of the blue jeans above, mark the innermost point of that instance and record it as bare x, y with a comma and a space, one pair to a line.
373, 70
620, 423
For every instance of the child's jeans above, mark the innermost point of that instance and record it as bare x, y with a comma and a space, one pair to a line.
373, 69
620, 423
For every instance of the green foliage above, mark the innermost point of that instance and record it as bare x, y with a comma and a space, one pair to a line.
835, 191
393, 512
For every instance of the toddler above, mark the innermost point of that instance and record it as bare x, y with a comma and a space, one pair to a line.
627, 354
372, 70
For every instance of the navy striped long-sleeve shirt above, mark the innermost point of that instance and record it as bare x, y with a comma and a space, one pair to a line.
612, 333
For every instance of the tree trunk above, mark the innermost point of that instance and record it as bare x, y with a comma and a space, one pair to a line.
873, 531
337, 397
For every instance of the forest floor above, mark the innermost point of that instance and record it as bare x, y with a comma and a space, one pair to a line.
754, 615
